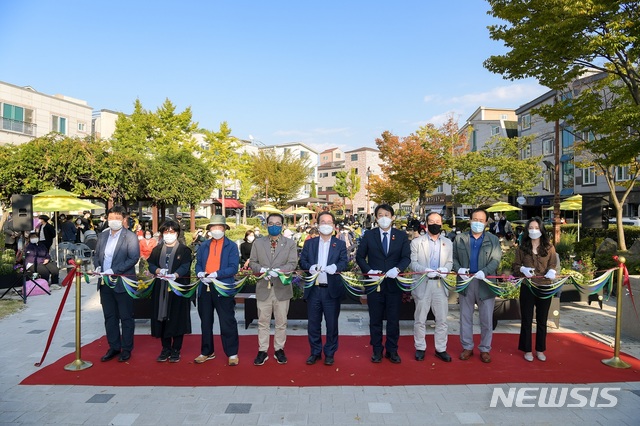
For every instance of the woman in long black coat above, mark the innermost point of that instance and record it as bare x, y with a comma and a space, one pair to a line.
170, 315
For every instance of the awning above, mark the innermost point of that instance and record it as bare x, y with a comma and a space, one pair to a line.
434, 207
229, 203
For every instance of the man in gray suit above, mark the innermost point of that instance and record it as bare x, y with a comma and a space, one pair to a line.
432, 254
476, 253
272, 255
117, 253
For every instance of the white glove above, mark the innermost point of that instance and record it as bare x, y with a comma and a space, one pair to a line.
393, 273
431, 273
479, 275
206, 280
442, 272
374, 272
331, 269
274, 273
201, 274
212, 275
528, 272
108, 272
464, 273
313, 269
97, 270
551, 274
171, 277
263, 270
162, 272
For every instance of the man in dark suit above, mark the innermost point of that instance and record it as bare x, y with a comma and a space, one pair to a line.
327, 255
117, 253
384, 250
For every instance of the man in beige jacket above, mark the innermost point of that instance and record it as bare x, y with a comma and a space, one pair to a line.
272, 255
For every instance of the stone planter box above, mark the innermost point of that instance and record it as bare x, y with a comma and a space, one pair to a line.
630, 326
509, 309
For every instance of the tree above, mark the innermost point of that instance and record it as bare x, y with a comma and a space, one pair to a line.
555, 42
285, 173
347, 185
313, 193
496, 170
244, 175
383, 190
416, 162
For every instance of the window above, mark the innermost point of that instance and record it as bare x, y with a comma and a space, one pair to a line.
526, 121
59, 124
325, 158
18, 119
286, 151
329, 188
547, 146
474, 141
82, 127
622, 173
504, 117
567, 174
324, 175
319, 189
589, 176
354, 157
338, 155
334, 173
440, 188
495, 130
568, 138
526, 151
304, 154
547, 180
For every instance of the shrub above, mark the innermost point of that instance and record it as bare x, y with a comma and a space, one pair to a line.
566, 245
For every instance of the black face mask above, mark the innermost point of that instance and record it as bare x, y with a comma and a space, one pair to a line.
434, 229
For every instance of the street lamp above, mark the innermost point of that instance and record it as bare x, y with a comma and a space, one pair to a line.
368, 202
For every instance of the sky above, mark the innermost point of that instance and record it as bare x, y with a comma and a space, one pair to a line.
324, 73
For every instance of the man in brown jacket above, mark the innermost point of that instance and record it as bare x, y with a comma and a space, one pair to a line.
272, 255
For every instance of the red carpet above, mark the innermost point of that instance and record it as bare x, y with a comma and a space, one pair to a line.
572, 358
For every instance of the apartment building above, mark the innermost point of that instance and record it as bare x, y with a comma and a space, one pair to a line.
28, 114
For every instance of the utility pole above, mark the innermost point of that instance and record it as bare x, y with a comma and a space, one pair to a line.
556, 187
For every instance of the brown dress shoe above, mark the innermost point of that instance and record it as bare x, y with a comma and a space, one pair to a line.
485, 357
466, 354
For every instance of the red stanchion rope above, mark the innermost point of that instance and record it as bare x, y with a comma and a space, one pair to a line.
68, 280
626, 282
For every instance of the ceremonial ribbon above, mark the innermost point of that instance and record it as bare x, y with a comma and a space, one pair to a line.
68, 280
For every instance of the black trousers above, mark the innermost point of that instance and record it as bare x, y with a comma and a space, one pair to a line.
527, 302
118, 310
381, 304
208, 301
319, 303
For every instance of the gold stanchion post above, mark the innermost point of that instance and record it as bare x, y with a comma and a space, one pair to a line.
78, 364
616, 362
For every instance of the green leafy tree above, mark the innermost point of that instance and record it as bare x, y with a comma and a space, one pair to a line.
314, 190
495, 171
555, 42
383, 190
347, 185
245, 178
285, 173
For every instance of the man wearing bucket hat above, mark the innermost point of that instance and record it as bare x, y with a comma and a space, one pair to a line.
217, 259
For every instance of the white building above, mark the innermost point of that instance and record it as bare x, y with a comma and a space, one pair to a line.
28, 114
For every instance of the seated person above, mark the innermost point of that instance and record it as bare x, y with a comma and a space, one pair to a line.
37, 259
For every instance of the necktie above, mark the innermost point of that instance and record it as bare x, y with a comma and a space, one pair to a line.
385, 243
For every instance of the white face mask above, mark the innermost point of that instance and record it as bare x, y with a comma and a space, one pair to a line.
384, 222
115, 225
147, 237
216, 234
34, 240
534, 234
250, 238
325, 229
170, 238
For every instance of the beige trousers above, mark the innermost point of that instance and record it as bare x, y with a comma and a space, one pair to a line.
280, 309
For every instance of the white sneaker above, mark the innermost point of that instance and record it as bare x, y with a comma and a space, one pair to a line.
55, 287
541, 356
234, 360
528, 356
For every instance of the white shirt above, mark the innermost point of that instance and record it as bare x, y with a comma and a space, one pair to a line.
110, 249
323, 255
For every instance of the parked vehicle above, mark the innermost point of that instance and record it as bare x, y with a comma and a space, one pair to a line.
629, 221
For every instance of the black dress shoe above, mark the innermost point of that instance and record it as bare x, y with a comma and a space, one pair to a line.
393, 357
419, 355
111, 353
376, 357
313, 358
328, 360
124, 356
443, 356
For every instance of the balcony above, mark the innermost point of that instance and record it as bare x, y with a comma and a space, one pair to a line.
19, 126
